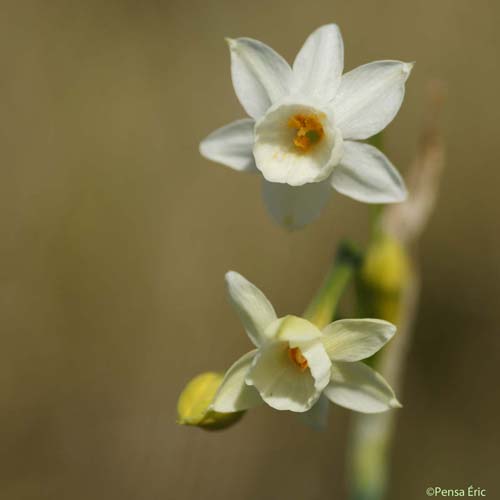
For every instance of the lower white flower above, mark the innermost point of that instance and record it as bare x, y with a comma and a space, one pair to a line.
305, 122
294, 362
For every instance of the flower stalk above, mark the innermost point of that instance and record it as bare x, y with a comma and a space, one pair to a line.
322, 309
387, 288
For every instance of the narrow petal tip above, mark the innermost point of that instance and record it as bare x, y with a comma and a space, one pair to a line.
231, 276
399, 193
407, 68
403, 195
231, 42
395, 404
202, 148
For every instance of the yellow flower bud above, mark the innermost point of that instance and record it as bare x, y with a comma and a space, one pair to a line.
193, 406
386, 266
385, 272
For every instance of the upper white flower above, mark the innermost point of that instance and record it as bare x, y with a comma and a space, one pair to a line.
304, 123
294, 362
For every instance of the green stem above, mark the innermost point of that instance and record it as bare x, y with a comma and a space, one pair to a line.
381, 294
370, 440
321, 310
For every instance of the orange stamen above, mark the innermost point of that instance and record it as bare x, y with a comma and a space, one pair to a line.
309, 131
298, 358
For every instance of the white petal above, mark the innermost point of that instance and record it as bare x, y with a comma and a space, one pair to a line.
318, 361
357, 387
292, 329
295, 206
276, 155
260, 75
317, 416
280, 382
252, 306
356, 339
318, 66
231, 145
367, 175
369, 97
233, 394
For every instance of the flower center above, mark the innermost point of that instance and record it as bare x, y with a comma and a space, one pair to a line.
308, 131
297, 357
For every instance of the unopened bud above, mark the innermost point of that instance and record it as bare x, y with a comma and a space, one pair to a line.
385, 273
194, 405
386, 266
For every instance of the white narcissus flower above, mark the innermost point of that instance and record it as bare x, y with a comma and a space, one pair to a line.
305, 122
294, 362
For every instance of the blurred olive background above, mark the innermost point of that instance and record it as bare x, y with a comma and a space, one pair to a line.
116, 234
